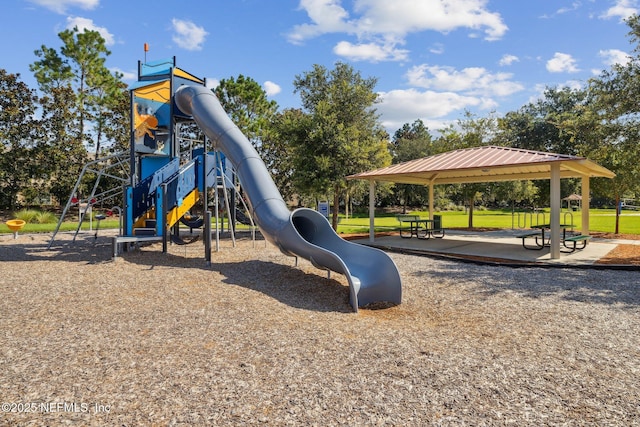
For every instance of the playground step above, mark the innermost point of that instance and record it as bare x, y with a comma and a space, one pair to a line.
120, 243
150, 223
144, 231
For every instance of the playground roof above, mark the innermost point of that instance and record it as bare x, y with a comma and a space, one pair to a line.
485, 164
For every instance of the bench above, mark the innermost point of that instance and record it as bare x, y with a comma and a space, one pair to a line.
537, 235
123, 242
575, 240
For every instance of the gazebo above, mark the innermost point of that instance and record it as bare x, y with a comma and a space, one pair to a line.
490, 164
573, 198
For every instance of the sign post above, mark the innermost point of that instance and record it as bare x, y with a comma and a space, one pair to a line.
323, 208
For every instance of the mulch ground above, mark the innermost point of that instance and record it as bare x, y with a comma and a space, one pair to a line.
255, 338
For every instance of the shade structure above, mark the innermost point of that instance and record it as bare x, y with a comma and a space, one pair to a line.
572, 198
491, 164
485, 164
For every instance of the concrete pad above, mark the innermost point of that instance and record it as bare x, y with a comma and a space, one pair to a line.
500, 244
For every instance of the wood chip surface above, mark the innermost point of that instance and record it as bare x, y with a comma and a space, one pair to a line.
252, 339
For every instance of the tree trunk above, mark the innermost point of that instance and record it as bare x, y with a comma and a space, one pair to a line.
98, 137
617, 214
347, 200
405, 200
335, 208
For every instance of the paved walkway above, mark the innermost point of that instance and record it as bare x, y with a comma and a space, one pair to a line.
500, 244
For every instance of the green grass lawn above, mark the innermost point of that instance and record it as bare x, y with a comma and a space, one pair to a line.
599, 219
66, 226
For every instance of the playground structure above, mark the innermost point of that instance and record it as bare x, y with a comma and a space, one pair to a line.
170, 172
114, 166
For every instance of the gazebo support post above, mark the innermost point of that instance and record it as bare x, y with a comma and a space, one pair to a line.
554, 220
431, 200
372, 209
585, 204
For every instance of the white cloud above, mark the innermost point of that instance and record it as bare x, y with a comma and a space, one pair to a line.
401, 17
472, 81
614, 56
562, 63
488, 104
61, 6
328, 16
87, 24
271, 88
573, 84
188, 35
126, 75
538, 93
398, 107
574, 6
381, 25
440, 91
622, 9
369, 52
437, 49
212, 82
508, 60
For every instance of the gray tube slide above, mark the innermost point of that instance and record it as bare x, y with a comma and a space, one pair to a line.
373, 276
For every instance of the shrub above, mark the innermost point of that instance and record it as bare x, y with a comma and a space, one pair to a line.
46, 218
32, 216
27, 215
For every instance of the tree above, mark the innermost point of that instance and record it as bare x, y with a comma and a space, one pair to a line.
61, 153
115, 118
542, 125
344, 136
562, 121
411, 142
17, 127
288, 130
516, 192
83, 103
617, 114
245, 101
80, 64
469, 132
108, 103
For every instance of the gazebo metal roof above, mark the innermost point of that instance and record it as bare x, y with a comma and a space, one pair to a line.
485, 164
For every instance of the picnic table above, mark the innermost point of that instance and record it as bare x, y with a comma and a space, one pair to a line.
422, 228
541, 241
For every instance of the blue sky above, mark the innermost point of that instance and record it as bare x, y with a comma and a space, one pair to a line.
432, 58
